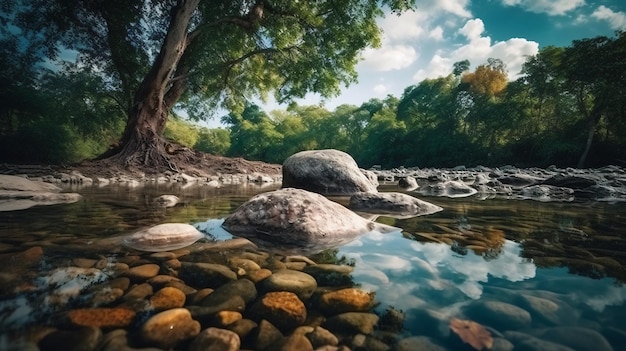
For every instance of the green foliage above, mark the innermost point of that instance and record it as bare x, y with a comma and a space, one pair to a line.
214, 141
180, 131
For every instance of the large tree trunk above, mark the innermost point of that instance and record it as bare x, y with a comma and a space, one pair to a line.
142, 143
594, 118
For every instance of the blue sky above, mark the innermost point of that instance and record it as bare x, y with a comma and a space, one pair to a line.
425, 43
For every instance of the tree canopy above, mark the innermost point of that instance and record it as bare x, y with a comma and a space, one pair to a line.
141, 62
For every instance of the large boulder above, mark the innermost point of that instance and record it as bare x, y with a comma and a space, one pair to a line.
295, 220
328, 172
18, 193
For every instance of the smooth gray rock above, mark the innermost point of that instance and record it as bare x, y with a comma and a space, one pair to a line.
163, 237
329, 172
18, 193
394, 204
296, 221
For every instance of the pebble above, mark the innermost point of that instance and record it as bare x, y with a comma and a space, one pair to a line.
242, 327
101, 317
422, 343
352, 322
320, 337
167, 298
138, 292
225, 318
84, 338
143, 272
162, 280
216, 339
197, 297
257, 275
244, 263
166, 329
578, 338
295, 341
234, 303
205, 275
525, 342
346, 300
266, 335
500, 315
299, 283
281, 308
241, 287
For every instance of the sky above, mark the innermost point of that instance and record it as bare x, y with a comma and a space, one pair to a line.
426, 43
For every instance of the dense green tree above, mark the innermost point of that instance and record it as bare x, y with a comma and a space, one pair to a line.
214, 141
158, 53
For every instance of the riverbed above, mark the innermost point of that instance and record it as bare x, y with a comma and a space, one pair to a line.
534, 274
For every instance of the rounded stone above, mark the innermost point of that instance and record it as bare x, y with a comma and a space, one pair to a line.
299, 283
320, 337
258, 275
168, 328
216, 339
501, 315
205, 275
138, 292
226, 318
102, 317
352, 322
242, 287
167, 298
242, 327
84, 338
143, 272
265, 335
281, 308
346, 300
418, 343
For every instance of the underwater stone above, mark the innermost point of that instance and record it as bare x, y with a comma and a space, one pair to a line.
163, 237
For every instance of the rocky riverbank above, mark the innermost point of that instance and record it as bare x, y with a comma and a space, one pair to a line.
540, 184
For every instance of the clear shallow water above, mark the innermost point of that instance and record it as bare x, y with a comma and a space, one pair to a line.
563, 263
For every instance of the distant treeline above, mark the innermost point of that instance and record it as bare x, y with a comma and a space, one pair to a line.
567, 108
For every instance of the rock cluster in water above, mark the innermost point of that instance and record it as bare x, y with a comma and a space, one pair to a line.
232, 300
301, 217
550, 184
177, 300
18, 193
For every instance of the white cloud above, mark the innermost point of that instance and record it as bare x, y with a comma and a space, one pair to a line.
380, 89
551, 7
436, 33
389, 58
616, 20
477, 50
408, 25
455, 7
473, 29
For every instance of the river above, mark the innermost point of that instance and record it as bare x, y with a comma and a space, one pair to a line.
534, 273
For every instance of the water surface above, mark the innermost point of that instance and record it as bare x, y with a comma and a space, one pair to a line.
563, 263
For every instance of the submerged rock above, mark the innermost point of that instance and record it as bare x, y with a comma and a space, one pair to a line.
394, 204
328, 172
295, 219
451, 188
163, 237
18, 193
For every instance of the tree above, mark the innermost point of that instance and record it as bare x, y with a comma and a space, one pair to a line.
594, 70
159, 54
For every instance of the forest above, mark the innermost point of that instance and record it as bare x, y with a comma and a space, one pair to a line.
567, 108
